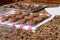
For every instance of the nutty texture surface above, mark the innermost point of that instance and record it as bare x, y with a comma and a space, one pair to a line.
48, 31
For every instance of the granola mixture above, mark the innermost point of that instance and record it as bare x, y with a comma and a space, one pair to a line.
48, 31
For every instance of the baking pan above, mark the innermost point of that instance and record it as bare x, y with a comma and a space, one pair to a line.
36, 5
24, 26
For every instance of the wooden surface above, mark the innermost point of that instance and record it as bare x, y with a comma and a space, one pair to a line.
17, 0
38, 0
27, 0
3, 2
53, 1
43, 1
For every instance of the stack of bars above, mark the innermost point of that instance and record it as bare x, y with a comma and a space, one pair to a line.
24, 20
26, 6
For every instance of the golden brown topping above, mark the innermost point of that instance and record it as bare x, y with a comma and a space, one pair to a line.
25, 13
21, 21
18, 12
29, 17
12, 15
30, 22
12, 19
4, 18
19, 16
34, 14
44, 16
39, 19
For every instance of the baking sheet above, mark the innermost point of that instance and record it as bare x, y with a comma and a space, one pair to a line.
24, 26
36, 5
4, 10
